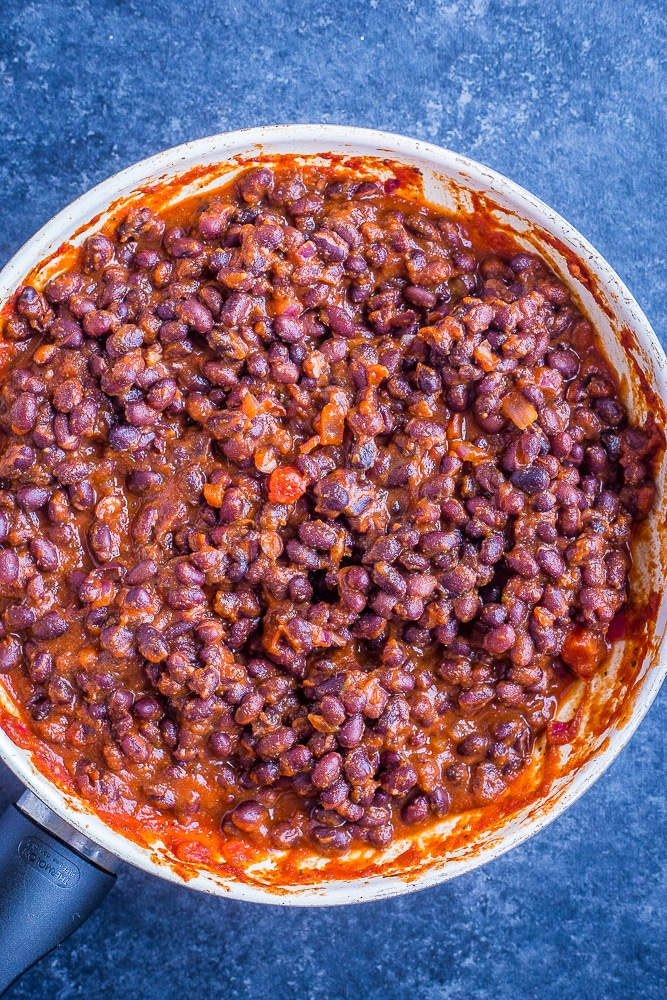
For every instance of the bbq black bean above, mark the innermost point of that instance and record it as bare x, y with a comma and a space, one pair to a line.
51, 626
9, 567
250, 816
243, 473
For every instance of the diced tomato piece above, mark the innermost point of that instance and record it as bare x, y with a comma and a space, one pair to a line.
286, 484
238, 852
617, 628
194, 853
561, 733
583, 651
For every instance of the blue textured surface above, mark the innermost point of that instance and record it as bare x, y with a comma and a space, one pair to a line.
567, 98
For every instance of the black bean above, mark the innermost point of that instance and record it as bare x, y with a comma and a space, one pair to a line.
334, 839
551, 562
530, 481
195, 315
124, 438
220, 744
151, 644
185, 246
44, 553
9, 567
32, 497
98, 252
296, 761
327, 770
458, 581
186, 597
136, 748
332, 496
399, 780
439, 801
351, 732
416, 810
147, 707
317, 534
389, 579
117, 640
249, 709
101, 541
23, 413
40, 668
254, 184
250, 816
331, 247
51, 626
276, 743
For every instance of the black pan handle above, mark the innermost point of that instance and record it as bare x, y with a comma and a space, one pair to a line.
51, 880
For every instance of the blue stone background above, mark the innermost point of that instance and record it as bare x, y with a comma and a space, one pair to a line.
568, 98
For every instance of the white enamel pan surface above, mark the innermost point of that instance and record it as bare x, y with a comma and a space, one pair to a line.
619, 696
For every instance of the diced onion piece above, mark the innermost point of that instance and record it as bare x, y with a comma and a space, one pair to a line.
337, 550
485, 357
332, 424
468, 452
42, 355
376, 374
543, 617
265, 460
235, 279
519, 410
309, 444
269, 405
320, 723
88, 656
316, 364
455, 427
249, 405
271, 544
283, 440
332, 419
213, 494
284, 300
424, 408
436, 337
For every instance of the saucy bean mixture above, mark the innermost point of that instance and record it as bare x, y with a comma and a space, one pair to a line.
312, 509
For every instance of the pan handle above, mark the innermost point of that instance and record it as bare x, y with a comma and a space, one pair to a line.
51, 880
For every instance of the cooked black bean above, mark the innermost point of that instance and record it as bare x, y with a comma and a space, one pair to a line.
51, 626
44, 553
135, 747
10, 654
531, 481
9, 567
19, 617
250, 816
327, 770
151, 644
32, 497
